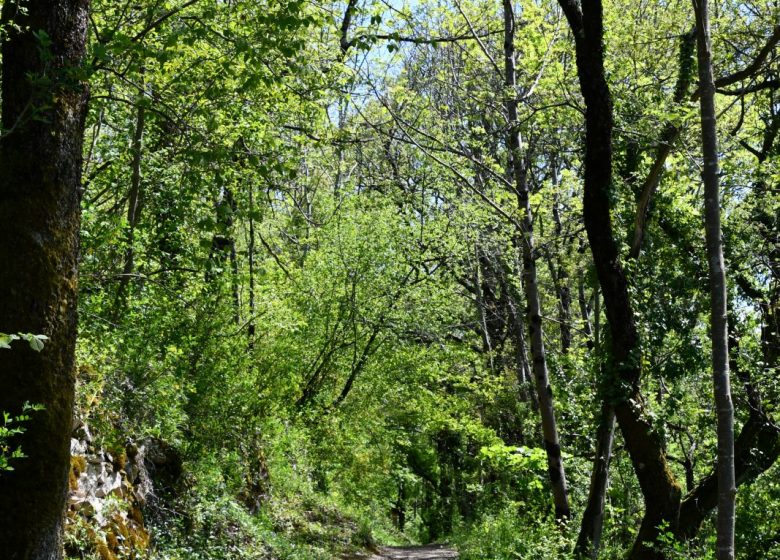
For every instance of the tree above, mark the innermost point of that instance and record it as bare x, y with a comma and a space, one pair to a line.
659, 488
43, 109
727, 489
530, 284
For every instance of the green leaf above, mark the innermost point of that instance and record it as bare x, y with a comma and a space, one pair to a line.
6, 339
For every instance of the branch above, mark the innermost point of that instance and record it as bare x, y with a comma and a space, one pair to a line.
669, 136
156, 23
433, 40
476, 36
768, 84
751, 68
345, 43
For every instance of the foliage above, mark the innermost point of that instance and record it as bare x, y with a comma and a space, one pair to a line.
300, 268
13, 425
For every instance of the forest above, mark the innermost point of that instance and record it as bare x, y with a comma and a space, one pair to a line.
374, 279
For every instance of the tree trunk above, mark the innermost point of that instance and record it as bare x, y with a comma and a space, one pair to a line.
659, 487
559, 273
592, 520
40, 191
133, 210
251, 255
592, 523
584, 312
530, 285
589, 537
524, 376
668, 137
727, 489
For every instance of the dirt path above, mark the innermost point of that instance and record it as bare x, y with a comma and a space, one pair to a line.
430, 552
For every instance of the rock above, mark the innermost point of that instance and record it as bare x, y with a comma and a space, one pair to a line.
81, 432
137, 473
77, 447
107, 494
108, 485
152, 466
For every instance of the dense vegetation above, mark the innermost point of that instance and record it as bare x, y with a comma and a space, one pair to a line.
384, 272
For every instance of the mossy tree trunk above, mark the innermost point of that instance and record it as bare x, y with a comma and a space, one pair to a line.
43, 109
659, 488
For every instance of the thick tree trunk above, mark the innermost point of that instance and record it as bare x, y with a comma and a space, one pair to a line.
593, 517
659, 488
40, 190
534, 313
727, 489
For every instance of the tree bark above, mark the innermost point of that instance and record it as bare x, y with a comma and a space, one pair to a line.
251, 258
534, 314
727, 489
584, 312
43, 110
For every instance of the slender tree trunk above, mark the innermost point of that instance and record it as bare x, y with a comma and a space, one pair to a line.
592, 523
756, 449
534, 314
727, 489
40, 191
589, 537
251, 255
524, 375
559, 273
584, 311
133, 209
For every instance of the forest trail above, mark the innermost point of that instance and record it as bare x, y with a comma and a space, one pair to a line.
429, 552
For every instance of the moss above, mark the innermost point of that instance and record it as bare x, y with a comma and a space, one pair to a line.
120, 460
136, 515
104, 552
78, 464
126, 538
112, 541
